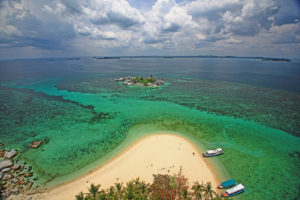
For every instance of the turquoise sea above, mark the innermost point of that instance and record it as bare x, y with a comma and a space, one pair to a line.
249, 107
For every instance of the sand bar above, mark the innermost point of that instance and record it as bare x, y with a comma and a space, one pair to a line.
159, 153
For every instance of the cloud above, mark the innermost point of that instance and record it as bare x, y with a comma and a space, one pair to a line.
168, 26
22, 25
106, 12
212, 8
253, 17
10, 31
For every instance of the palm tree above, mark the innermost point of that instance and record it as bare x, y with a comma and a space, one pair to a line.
119, 187
208, 192
102, 195
164, 187
142, 189
186, 195
112, 192
219, 197
198, 189
130, 191
94, 190
80, 196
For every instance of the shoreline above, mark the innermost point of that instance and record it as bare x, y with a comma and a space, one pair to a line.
120, 165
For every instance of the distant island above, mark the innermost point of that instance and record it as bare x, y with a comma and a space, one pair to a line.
149, 81
106, 57
199, 56
276, 59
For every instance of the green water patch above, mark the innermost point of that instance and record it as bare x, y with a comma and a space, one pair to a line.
257, 156
272, 108
262, 158
75, 134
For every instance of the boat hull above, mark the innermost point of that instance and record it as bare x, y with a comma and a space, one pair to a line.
211, 155
227, 184
233, 194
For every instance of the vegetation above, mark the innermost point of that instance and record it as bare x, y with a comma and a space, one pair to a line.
1, 190
143, 80
164, 187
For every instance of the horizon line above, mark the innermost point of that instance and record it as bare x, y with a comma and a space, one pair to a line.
155, 56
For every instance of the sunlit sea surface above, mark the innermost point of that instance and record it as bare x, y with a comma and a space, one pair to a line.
251, 108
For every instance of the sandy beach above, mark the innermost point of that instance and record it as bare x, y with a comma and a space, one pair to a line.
159, 153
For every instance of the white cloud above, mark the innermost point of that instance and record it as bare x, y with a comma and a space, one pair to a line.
10, 30
106, 12
47, 8
169, 27
205, 7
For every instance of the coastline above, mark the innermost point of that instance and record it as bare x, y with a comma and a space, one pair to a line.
160, 152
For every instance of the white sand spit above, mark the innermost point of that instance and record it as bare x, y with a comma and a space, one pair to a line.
159, 153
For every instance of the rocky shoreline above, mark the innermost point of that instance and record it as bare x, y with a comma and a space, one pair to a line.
16, 177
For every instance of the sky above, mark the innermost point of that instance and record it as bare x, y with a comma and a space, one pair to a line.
62, 28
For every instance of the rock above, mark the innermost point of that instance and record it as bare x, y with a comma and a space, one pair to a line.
10, 154
15, 190
7, 193
28, 174
5, 164
29, 185
6, 170
2, 152
21, 189
14, 180
16, 166
35, 144
6, 177
1, 175
22, 182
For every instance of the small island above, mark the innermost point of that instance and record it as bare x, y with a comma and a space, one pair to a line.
149, 81
276, 59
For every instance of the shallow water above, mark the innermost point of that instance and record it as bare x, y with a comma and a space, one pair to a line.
250, 108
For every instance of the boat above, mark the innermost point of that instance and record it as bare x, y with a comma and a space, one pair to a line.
238, 189
227, 184
215, 152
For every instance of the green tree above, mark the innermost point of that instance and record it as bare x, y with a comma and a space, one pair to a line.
102, 195
94, 190
112, 193
219, 197
136, 190
119, 190
164, 187
208, 192
80, 196
198, 190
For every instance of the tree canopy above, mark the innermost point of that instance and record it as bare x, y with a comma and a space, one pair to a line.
163, 187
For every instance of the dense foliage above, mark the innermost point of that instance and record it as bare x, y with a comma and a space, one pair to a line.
164, 187
143, 80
